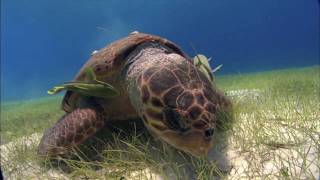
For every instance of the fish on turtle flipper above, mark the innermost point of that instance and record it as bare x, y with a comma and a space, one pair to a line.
144, 76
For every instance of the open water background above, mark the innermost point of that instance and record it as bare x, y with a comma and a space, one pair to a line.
45, 42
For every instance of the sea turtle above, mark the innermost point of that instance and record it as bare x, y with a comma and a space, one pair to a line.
143, 76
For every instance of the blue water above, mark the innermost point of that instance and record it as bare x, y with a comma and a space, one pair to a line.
45, 42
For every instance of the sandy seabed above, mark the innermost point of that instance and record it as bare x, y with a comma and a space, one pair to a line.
241, 162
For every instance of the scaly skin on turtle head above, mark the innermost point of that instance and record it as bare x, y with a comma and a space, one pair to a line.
178, 103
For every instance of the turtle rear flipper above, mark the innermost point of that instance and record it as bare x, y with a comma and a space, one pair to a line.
71, 130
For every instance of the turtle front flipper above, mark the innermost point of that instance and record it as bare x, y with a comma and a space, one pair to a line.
71, 130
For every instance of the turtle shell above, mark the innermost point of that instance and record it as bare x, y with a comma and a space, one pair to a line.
110, 60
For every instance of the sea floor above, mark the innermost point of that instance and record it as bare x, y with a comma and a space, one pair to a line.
275, 135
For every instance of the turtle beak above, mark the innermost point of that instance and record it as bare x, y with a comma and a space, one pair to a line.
192, 142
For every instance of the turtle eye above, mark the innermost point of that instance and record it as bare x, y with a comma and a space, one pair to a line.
174, 120
209, 132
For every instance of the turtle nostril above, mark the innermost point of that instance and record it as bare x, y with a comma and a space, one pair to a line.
209, 132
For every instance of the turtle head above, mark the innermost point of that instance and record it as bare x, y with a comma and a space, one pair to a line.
179, 105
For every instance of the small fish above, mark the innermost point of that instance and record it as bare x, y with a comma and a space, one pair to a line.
92, 88
202, 63
87, 88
